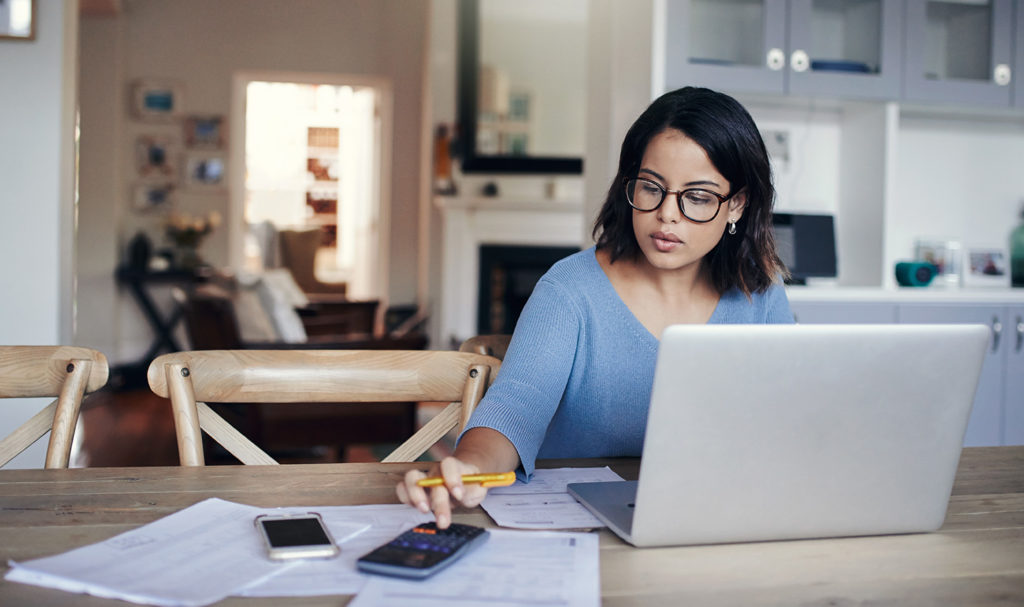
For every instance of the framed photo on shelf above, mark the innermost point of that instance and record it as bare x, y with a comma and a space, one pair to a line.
205, 171
944, 255
159, 101
156, 156
18, 20
204, 132
156, 196
986, 267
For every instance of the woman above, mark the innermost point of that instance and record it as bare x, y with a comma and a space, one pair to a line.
684, 236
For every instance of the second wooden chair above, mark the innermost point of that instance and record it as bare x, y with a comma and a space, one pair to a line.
192, 379
65, 372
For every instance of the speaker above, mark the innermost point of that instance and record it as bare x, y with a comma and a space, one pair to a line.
915, 273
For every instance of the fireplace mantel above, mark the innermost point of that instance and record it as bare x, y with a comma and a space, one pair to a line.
473, 221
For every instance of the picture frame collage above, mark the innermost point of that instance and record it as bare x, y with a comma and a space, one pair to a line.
191, 156
969, 267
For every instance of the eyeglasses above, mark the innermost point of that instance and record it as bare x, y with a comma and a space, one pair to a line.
697, 205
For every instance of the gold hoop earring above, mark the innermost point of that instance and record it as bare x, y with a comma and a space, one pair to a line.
732, 227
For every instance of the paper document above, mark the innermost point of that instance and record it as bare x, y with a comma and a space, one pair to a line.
511, 568
196, 556
211, 550
544, 502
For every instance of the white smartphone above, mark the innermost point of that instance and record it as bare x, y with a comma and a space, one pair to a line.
296, 536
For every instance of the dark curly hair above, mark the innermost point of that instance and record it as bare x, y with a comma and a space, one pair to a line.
722, 127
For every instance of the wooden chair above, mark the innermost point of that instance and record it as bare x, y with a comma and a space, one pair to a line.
192, 379
65, 372
490, 345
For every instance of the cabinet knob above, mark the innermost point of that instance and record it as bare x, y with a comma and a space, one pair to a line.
997, 332
1020, 333
799, 61
1001, 75
776, 59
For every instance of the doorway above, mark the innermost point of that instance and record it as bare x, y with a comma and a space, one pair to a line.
311, 155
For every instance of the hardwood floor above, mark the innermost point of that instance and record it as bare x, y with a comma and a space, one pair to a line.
126, 428
135, 428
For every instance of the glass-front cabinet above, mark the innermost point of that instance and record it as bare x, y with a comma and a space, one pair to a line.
842, 48
959, 51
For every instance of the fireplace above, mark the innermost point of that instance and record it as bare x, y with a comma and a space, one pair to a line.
517, 226
507, 277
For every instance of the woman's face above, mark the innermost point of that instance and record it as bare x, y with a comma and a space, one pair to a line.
668, 240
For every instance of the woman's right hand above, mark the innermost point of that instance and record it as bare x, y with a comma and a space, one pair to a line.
439, 499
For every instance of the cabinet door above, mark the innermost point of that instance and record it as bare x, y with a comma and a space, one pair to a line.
842, 313
1013, 395
845, 48
986, 423
731, 45
958, 52
1018, 56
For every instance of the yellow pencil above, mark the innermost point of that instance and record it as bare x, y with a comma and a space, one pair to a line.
502, 479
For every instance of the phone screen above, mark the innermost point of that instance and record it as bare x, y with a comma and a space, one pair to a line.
285, 533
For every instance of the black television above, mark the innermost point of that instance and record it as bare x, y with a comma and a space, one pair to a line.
806, 244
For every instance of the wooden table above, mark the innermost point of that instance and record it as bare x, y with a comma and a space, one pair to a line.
977, 558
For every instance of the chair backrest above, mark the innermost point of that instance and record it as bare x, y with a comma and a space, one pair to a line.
191, 379
64, 372
491, 345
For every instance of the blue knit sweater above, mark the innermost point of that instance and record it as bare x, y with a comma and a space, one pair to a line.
576, 380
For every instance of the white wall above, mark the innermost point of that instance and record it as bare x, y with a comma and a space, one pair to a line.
201, 44
37, 198
956, 178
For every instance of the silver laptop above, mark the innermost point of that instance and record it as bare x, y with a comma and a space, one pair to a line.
770, 432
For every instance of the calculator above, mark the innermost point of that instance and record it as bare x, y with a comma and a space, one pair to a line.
423, 550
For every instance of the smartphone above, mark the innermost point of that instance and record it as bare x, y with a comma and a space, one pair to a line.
296, 536
422, 551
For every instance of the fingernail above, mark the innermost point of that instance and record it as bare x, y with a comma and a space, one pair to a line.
457, 492
423, 506
442, 521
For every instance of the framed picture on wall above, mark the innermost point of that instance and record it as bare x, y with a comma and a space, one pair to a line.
986, 267
205, 171
204, 132
156, 196
156, 156
18, 19
156, 100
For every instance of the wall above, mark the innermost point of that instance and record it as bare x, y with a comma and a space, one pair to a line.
202, 44
37, 198
956, 178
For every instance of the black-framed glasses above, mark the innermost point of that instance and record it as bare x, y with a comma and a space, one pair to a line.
696, 204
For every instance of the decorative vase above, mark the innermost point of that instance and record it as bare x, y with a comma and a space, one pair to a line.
187, 257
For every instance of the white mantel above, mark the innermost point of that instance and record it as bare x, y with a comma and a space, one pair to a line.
473, 221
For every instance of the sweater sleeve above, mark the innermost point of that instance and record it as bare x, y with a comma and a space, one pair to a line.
533, 376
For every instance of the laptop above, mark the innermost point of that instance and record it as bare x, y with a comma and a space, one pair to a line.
773, 432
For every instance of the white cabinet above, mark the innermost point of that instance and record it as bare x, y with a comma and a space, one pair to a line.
959, 52
986, 425
1013, 394
845, 48
998, 414
843, 313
